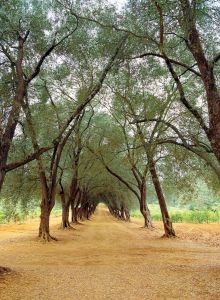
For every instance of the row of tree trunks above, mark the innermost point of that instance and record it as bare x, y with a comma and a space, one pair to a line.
49, 185
75, 208
85, 209
121, 214
67, 203
81, 207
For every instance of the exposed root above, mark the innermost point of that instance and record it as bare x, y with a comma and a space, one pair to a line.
4, 270
148, 227
46, 237
69, 227
168, 236
77, 223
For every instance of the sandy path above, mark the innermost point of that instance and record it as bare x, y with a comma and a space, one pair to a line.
106, 259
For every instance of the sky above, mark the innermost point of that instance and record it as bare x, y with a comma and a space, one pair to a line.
119, 3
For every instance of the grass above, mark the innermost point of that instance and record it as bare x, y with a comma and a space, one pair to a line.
183, 215
19, 217
178, 215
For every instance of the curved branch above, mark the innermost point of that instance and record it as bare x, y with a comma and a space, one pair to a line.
47, 53
173, 61
29, 158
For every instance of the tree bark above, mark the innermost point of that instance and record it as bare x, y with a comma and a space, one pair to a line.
144, 208
127, 215
2, 175
65, 211
167, 223
44, 228
206, 69
75, 206
7, 137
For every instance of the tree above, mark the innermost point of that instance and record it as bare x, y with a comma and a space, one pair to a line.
49, 184
18, 43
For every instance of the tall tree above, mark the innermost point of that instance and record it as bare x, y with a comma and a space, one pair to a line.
22, 36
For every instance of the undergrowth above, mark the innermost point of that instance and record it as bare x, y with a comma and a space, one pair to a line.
183, 215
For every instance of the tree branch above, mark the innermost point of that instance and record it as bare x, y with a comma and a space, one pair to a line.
216, 58
28, 159
183, 99
111, 26
173, 61
95, 89
47, 53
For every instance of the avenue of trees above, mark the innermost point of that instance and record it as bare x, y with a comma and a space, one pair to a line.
100, 103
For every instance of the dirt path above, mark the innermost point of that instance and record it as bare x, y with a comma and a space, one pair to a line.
105, 259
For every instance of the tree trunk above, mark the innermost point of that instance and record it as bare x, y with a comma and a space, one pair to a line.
212, 94
13, 117
74, 206
144, 208
44, 228
47, 204
65, 211
167, 223
207, 75
2, 177
127, 215
73, 212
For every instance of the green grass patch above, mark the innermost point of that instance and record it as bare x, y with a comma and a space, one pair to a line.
183, 215
20, 217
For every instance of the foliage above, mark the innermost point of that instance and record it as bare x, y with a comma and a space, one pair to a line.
138, 113
179, 215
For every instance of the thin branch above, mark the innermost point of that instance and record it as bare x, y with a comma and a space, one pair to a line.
95, 89
216, 58
7, 54
114, 173
111, 26
174, 128
183, 99
47, 53
173, 61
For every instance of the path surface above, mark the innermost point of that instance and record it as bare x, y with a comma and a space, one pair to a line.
105, 259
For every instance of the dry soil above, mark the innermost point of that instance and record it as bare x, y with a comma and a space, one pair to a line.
109, 259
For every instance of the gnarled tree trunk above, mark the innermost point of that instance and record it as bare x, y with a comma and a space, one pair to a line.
47, 204
44, 228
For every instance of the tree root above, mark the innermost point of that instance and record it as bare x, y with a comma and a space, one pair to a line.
69, 227
148, 227
168, 236
4, 270
77, 223
46, 237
